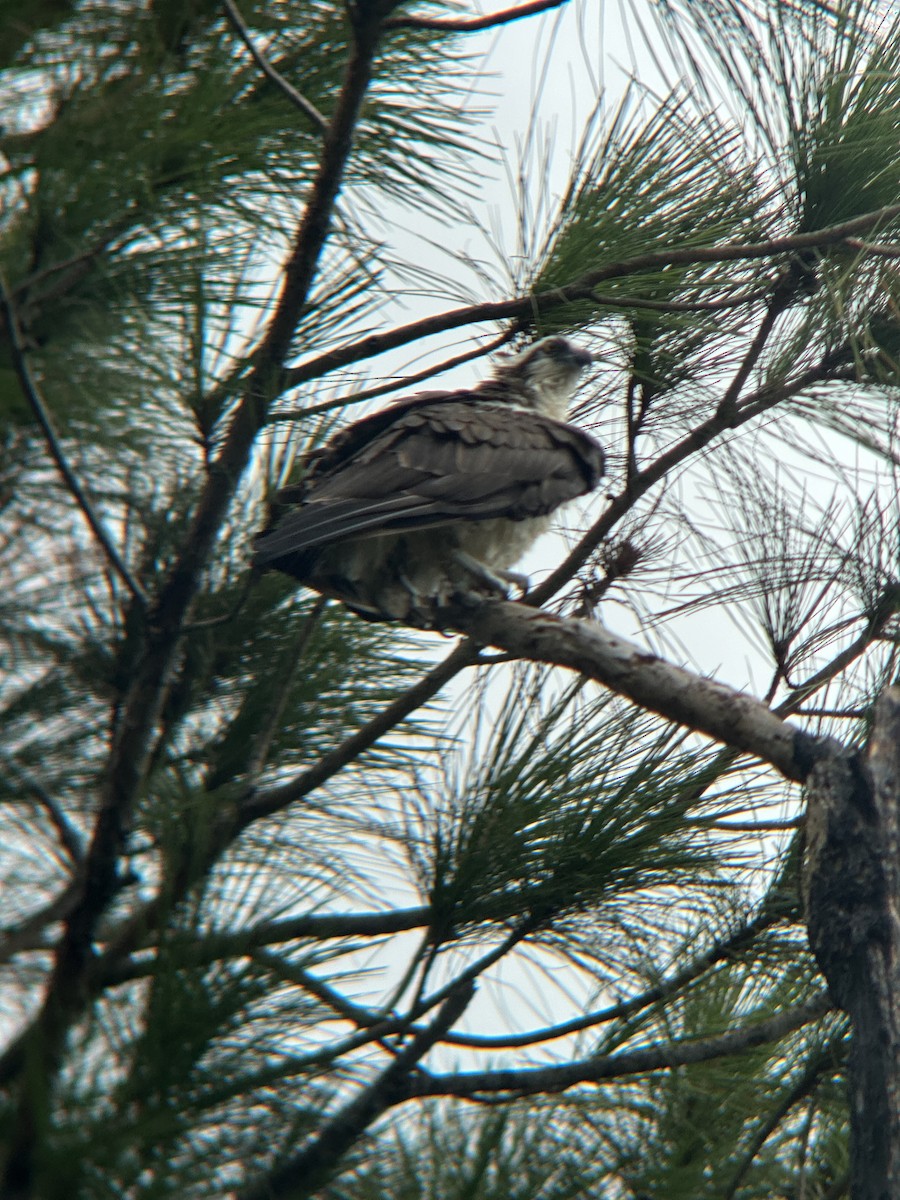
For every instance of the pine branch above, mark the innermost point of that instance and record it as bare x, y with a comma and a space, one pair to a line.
316, 927
664, 990
818, 1064
581, 288
385, 389
67, 992
534, 1081
132, 934
311, 1167
700, 704
265, 802
474, 24
299, 101
722, 420
41, 413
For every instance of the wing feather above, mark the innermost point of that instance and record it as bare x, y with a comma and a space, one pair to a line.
447, 460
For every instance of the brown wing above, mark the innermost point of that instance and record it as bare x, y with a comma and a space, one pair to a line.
436, 463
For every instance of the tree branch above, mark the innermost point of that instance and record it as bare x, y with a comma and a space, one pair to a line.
532, 1081
579, 289
272, 800
700, 704
299, 101
131, 935
626, 1008
474, 24
385, 389
41, 1046
317, 927
54, 446
306, 1171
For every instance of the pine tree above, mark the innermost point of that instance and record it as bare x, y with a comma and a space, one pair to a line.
299, 904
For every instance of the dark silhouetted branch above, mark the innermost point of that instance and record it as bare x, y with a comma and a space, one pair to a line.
312, 1166
54, 446
533, 1081
299, 101
474, 24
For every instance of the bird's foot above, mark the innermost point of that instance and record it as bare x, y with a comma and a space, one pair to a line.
497, 580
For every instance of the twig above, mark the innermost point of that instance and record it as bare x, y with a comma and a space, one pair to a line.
42, 415
272, 800
295, 97
312, 1166
879, 248
69, 836
626, 1008
259, 750
532, 1081
384, 389
474, 24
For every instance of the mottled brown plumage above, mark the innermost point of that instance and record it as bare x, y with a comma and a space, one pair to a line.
433, 498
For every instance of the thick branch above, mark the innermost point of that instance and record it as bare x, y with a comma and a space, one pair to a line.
701, 704
68, 990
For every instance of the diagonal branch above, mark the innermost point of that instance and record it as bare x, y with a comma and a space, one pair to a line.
532, 1081
68, 991
700, 704
306, 1171
474, 24
299, 101
42, 415
581, 288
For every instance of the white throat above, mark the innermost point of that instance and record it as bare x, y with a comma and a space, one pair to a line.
552, 390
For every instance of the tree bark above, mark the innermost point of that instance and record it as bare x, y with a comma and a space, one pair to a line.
852, 892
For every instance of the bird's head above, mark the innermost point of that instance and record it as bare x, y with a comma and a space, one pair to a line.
547, 372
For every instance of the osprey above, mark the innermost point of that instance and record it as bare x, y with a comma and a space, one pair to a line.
432, 500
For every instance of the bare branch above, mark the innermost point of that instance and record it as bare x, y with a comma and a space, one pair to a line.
474, 24
532, 1081
626, 1008
385, 389
581, 288
318, 927
701, 704
42, 415
308, 1169
299, 101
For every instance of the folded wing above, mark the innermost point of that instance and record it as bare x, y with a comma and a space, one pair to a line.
437, 463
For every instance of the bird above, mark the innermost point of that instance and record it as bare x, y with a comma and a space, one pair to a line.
430, 501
